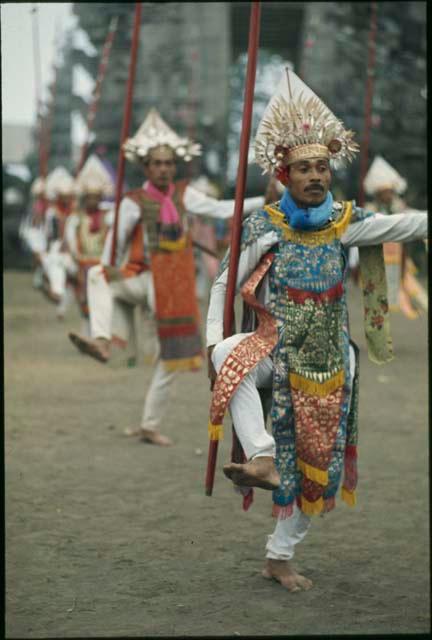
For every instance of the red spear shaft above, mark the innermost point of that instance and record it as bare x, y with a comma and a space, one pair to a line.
91, 114
126, 123
368, 101
254, 25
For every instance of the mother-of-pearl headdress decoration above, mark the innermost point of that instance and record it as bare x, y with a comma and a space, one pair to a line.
94, 178
381, 175
154, 132
59, 182
38, 186
297, 125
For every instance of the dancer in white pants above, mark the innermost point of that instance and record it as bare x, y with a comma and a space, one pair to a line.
57, 263
292, 272
152, 222
111, 308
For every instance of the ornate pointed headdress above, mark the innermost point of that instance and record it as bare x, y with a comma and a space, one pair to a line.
381, 175
297, 125
59, 182
94, 178
154, 132
38, 187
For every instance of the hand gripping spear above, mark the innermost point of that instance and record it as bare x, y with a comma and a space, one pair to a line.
125, 127
238, 208
91, 113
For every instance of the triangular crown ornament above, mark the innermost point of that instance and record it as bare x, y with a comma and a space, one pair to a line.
297, 125
155, 132
59, 182
94, 178
38, 187
381, 175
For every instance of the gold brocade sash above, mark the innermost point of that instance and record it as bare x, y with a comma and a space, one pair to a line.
177, 312
246, 355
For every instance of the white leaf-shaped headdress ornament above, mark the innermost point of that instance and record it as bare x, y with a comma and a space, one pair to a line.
59, 182
381, 175
94, 178
154, 132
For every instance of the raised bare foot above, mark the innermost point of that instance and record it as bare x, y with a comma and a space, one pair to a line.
282, 571
259, 472
154, 437
99, 348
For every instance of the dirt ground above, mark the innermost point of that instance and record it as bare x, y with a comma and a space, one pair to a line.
109, 537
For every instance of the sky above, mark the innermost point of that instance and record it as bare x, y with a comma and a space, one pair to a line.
18, 73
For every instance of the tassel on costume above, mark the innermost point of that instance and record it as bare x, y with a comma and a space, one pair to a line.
313, 473
311, 508
311, 387
183, 364
282, 512
215, 431
349, 497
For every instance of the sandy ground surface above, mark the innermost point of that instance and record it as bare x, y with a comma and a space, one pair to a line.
109, 537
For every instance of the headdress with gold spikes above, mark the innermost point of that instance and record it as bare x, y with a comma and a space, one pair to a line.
154, 132
381, 175
59, 182
297, 125
38, 187
94, 178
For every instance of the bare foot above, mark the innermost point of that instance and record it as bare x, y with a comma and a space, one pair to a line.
259, 472
131, 433
154, 437
282, 571
99, 348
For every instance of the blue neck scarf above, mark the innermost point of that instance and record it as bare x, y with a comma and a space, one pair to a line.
306, 219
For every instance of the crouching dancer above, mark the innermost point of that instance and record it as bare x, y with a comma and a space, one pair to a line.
292, 273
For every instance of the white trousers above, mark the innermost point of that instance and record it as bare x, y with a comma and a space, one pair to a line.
111, 308
57, 266
248, 418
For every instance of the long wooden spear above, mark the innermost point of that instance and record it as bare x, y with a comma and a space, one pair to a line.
47, 125
38, 84
364, 156
254, 26
125, 128
94, 103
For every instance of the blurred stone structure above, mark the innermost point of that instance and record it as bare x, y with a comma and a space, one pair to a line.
191, 58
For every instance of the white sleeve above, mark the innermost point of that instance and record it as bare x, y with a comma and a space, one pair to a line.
202, 205
109, 217
380, 228
70, 234
249, 259
106, 251
129, 215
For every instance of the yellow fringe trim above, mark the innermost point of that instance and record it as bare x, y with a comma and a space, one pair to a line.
173, 245
349, 497
317, 388
335, 230
312, 508
215, 431
317, 475
183, 364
